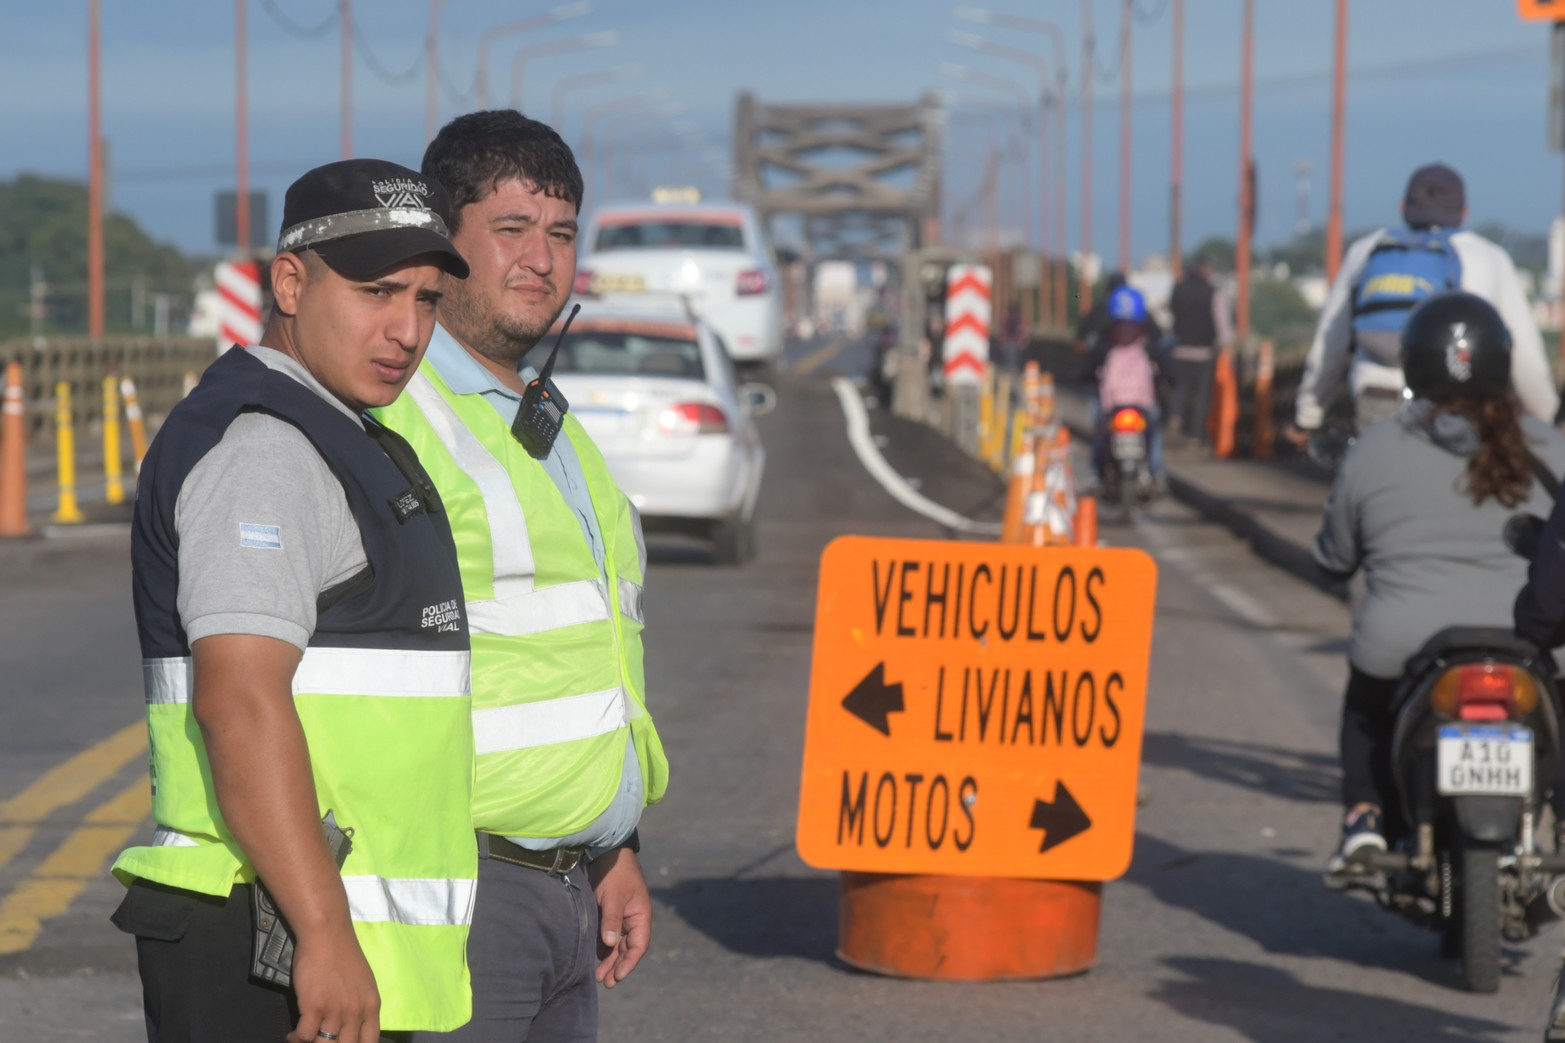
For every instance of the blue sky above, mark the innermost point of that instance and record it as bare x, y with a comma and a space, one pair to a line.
1463, 81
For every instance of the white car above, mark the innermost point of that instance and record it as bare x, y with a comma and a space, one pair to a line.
659, 396
715, 255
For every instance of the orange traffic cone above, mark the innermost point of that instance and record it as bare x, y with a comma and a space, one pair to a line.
13, 455
1016, 497
1087, 521
1225, 407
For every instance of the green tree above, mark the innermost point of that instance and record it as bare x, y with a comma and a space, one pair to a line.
1217, 251
43, 225
1279, 311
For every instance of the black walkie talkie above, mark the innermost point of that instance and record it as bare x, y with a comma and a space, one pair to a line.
542, 412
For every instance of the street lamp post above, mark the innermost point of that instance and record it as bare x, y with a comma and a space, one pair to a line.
1246, 176
432, 70
1057, 38
574, 43
565, 84
241, 135
1338, 96
1043, 102
590, 152
345, 17
610, 155
94, 178
1124, 136
1176, 176
521, 25
1024, 102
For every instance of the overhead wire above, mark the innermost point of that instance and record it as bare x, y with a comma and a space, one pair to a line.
378, 68
293, 28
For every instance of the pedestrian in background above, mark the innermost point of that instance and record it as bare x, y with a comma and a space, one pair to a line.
1201, 328
305, 651
553, 566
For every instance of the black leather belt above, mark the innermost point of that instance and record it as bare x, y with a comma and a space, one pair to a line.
559, 861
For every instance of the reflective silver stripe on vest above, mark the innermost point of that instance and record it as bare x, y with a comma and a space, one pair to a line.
513, 556
168, 680
162, 836
546, 608
432, 902
337, 671
547, 723
630, 601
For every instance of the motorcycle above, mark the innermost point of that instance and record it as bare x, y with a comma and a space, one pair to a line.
1126, 478
1473, 752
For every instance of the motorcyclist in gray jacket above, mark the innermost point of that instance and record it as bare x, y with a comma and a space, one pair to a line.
1420, 504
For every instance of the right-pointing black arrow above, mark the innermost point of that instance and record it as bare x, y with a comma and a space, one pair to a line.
873, 701
1059, 820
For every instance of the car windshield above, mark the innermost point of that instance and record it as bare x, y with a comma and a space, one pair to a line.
630, 354
683, 234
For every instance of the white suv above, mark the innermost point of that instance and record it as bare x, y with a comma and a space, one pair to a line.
714, 255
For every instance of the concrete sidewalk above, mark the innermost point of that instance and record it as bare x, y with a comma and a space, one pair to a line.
1275, 506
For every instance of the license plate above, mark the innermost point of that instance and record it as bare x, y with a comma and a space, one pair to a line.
1129, 447
612, 282
1485, 759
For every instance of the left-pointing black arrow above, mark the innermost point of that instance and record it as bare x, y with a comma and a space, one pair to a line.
873, 701
1059, 820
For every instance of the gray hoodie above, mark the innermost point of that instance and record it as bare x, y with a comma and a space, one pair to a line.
1431, 559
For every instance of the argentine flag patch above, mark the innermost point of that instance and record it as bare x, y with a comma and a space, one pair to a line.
260, 537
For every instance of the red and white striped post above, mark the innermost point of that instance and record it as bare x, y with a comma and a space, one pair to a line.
239, 312
969, 315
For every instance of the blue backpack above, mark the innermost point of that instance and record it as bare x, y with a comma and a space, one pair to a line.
1406, 266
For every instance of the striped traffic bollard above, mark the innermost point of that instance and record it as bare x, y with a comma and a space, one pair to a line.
133, 420
13, 455
239, 303
113, 473
68, 512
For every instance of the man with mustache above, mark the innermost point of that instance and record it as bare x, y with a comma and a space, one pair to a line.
552, 565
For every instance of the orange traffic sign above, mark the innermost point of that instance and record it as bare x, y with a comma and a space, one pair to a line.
976, 709
1541, 10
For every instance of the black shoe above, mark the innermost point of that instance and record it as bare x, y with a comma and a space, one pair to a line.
1361, 835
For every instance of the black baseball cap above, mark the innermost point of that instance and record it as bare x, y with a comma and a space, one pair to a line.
363, 216
1435, 198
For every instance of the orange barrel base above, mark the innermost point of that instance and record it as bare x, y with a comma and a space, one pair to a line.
968, 928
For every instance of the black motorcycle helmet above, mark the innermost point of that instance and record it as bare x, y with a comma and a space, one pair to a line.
1456, 343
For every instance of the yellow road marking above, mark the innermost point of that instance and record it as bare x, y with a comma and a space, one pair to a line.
64, 784
820, 356
79, 859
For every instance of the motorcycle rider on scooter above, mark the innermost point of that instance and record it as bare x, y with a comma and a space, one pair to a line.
1125, 368
1420, 503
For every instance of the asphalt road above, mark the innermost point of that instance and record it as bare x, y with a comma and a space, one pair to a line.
1220, 931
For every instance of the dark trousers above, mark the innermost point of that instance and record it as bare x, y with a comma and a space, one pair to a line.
1368, 718
1191, 398
193, 952
532, 954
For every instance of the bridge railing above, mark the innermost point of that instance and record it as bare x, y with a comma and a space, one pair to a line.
157, 365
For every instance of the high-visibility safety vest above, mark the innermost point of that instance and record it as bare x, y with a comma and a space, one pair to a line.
382, 692
557, 670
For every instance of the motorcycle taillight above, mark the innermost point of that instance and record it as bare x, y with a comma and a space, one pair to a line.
1128, 420
1486, 691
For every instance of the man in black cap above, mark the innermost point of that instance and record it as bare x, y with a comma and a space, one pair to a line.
1383, 276
306, 656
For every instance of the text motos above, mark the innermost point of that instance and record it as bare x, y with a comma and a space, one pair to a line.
976, 709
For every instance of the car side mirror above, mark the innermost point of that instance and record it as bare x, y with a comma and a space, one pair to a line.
757, 399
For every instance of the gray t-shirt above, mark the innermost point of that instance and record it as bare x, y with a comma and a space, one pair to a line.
1431, 559
264, 527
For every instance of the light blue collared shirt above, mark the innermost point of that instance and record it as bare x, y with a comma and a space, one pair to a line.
464, 375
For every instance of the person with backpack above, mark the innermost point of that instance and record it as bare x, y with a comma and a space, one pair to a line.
1383, 277
1126, 371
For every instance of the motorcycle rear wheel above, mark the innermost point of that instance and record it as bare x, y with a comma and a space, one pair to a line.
1479, 909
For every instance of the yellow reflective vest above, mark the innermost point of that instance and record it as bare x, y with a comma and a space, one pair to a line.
557, 658
382, 693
